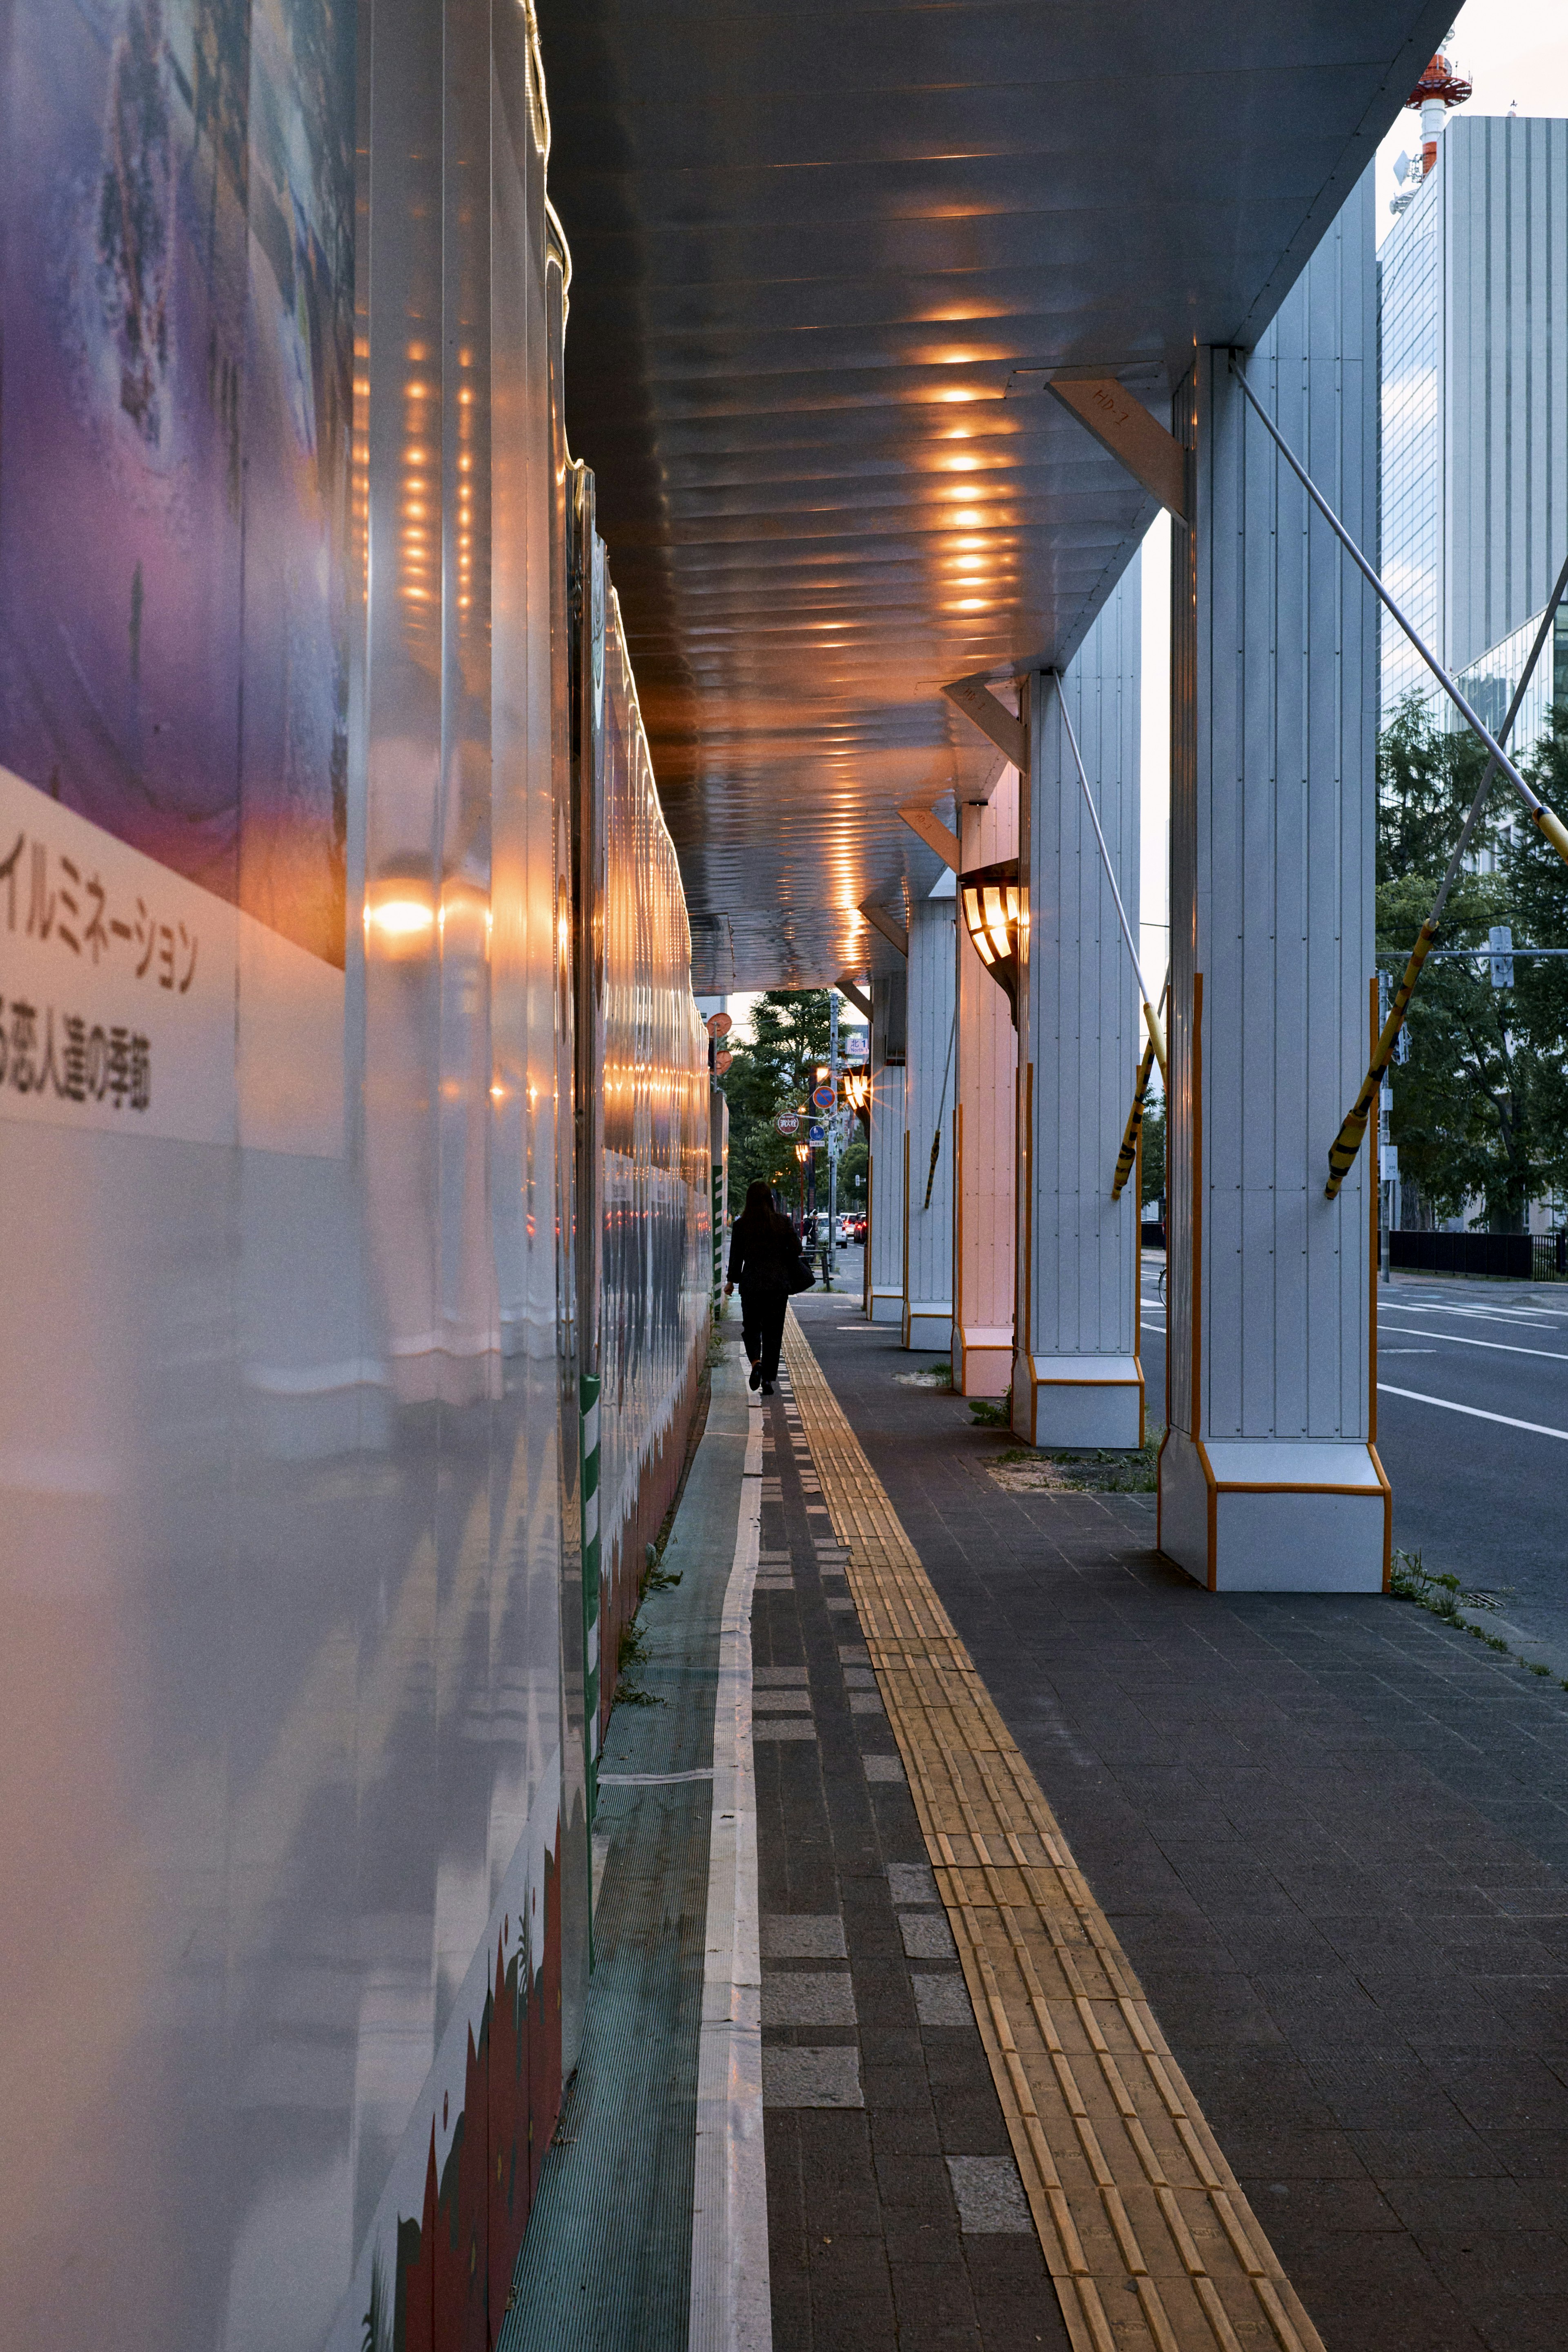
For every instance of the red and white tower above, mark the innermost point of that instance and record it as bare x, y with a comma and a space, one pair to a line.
1439, 89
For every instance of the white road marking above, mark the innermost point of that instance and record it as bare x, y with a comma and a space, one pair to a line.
1473, 1412
1533, 1318
1498, 1346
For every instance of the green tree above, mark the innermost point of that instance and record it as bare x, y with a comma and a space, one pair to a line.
1474, 1100
774, 1071
1153, 1138
1537, 883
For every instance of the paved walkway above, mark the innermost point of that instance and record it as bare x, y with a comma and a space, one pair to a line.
1139, 1967
1330, 1836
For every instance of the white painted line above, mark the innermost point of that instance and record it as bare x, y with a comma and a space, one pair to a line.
1532, 1318
1459, 1339
653, 1780
1536, 1428
731, 2306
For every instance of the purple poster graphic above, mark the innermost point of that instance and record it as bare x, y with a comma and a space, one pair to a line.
174, 435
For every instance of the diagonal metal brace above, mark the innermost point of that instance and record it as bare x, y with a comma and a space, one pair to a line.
1128, 1151
995, 721
1347, 1143
1552, 826
1151, 1018
892, 930
1125, 430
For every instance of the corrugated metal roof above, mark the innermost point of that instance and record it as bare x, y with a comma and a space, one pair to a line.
817, 253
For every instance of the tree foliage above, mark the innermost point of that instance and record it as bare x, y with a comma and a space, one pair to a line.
1479, 1103
1153, 1139
774, 1071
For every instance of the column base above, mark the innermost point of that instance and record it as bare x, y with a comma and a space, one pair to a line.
886, 1305
1276, 1514
928, 1325
982, 1359
1078, 1401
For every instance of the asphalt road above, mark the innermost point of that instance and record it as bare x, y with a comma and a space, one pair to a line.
1476, 1493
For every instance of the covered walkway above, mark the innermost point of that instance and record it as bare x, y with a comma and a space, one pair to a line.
1139, 1967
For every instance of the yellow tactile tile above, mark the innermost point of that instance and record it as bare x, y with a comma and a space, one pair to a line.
1148, 2238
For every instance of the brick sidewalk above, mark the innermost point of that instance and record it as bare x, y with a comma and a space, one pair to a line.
1332, 1837
896, 2214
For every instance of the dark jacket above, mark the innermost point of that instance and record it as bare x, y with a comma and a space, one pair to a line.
764, 1255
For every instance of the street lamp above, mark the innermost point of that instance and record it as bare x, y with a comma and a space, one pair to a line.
858, 1087
992, 900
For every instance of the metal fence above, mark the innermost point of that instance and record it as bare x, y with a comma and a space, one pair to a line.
1510, 1257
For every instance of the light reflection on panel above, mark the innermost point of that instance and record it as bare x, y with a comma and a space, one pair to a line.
287, 1434
656, 1143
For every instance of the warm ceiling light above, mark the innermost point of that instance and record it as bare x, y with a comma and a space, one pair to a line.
992, 904
972, 604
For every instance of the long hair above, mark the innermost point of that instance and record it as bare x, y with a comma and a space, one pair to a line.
759, 1216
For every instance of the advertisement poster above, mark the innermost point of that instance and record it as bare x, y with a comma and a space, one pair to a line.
174, 438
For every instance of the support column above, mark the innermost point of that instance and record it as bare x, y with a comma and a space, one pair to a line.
1270, 1478
985, 1054
1077, 1379
928, 1118
884, 1185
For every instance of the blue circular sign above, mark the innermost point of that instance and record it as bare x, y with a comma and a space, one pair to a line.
824, 1097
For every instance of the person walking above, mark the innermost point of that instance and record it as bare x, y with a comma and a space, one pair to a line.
765, 1261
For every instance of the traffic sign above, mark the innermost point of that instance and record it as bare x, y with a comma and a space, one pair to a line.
719, 1025
787, 1121
824, 1097
722, 1062
816, 1135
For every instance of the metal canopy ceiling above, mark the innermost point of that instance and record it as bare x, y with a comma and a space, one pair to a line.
816, 254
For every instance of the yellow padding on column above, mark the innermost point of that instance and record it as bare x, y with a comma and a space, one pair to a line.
1148, 2236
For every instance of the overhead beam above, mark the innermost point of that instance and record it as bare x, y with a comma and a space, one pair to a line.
934, 834
1122, 426
995, 721
851, 989
880, 921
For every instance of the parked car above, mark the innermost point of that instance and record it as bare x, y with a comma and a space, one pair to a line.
860, 1229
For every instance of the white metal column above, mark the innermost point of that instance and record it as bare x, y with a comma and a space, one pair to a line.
985, 1077
885, 1189
927, 1192
1077, 1379
1270, 1479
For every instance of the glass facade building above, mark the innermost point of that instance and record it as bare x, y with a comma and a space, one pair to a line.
1474, 412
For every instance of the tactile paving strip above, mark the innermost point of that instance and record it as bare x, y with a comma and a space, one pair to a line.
1148, 2238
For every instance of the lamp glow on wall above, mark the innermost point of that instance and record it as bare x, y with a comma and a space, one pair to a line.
400, 912
992, 907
